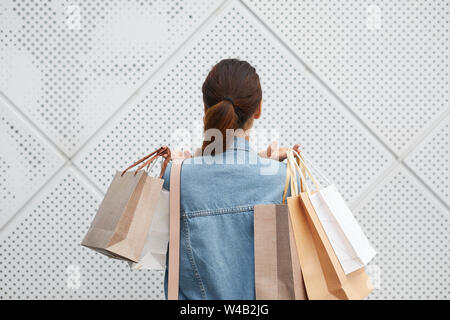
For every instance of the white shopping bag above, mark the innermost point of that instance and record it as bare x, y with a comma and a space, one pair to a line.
346, 237
349, 242
153, 255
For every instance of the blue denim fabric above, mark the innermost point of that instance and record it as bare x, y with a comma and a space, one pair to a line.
216, 230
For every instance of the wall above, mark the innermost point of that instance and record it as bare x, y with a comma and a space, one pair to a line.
88, 87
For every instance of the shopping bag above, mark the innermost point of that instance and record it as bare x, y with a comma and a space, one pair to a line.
153, 256
351, 246
121, 224
349, 242
323, 275
277, 269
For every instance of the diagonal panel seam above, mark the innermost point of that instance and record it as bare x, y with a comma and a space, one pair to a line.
33, 125
418, 178
88, 181
425, 133
402, 160
42, 136
323, 83
398, 158
18, 212
66, 157
156, 71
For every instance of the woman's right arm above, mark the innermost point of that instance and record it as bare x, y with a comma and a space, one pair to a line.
276, 153
173, 155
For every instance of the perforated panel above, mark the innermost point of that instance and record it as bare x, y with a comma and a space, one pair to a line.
431, 160
26, 162
43, 259
347, 80
70, 64
388, 60
296, 109
411, 234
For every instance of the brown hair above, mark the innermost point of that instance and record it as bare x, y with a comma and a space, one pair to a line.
231, 95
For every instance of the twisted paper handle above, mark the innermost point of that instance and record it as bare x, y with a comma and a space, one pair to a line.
148, 159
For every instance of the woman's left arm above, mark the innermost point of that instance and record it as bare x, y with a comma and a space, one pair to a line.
276, 153
272, 152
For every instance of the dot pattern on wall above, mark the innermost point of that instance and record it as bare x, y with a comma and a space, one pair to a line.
78, 61
69, 65
43, 259
27, 162
296, 109
431, 160
411, 235
388, 60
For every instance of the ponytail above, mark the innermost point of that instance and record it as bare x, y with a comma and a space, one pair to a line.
220, 116
231, 96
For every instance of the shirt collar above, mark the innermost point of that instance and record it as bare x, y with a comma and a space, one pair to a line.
240, 143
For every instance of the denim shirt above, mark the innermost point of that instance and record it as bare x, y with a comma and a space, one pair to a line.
218, 194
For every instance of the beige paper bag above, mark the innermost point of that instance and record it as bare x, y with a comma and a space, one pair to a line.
122, 222
323, 275
277, 273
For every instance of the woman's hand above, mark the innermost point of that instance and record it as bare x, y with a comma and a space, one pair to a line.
177, 154
276, 153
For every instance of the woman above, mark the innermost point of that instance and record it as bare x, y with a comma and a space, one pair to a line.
220, 186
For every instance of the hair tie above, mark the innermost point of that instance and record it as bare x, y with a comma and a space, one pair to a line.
229, 99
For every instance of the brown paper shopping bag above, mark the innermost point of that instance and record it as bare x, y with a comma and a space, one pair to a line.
277, 270
323, 275
121, 224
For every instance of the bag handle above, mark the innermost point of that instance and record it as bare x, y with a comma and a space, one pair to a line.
296, 163
162, 151
291, 179
315, 169
295, 167
174, 230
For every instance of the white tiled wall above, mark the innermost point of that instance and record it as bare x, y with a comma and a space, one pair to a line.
86, 88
